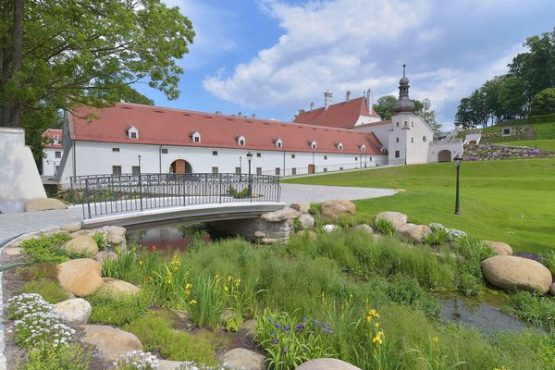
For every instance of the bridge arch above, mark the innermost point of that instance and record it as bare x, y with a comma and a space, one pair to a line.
181, 166
444, 156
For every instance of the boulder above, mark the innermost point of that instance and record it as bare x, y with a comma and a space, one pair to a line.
13, 251
413, 233
43, 204
82, 245
396, 218
110, 342
116, 287
301, 207
105, 255
74, 311
511, 272
306, 221
259, 234
240, 358
501, 248
285, 214
80, 277
170, 365
116, 235
249, 328
326, 364
271, 241
334, 209
328, 228
71, 228
364, 228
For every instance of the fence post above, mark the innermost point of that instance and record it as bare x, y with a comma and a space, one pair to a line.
87, 198
141, 190
184, 191
220, 188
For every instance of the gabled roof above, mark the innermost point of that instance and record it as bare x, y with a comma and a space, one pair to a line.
339, 115
50, 134
168, 126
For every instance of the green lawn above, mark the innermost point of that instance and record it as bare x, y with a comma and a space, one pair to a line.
540, 144
512, 201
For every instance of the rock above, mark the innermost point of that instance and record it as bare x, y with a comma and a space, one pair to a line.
285, 214
169, 365
82, 245
511, 272
396, 218
249, 327
259, 234
240, 358
270, 241
116, 287
326, 364
102, 256
226, 315
301, 207
306, 221
71, 228
311, 235
501, 248
413, 233
43, 204
80, 277
110, 342
116, 235
334, 209
74, 311
328, 228
364, 228
13, 251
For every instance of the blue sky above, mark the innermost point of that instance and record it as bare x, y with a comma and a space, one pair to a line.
272, 57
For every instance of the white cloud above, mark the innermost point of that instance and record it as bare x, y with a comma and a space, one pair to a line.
325, 45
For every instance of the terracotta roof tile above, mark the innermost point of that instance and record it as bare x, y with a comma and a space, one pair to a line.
50, 134
168, 126
339, 115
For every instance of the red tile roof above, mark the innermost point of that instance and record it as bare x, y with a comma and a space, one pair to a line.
50, 134
168, 126
339, 115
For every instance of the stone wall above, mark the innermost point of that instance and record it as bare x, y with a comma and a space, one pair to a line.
494, 152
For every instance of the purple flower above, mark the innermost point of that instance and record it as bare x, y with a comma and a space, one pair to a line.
299, 327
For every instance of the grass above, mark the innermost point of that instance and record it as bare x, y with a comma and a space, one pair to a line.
511, 201
545, 144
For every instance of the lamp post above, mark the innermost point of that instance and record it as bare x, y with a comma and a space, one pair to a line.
249, 158
457, 160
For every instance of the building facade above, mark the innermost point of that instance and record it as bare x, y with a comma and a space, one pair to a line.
52, 153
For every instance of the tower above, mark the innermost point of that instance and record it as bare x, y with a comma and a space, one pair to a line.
404, 104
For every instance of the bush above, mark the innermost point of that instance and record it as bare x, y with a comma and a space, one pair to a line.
100, 239
385, 227
155, 330
47, 248
533, 308
51, 291
117, 310
69, 357
241, 194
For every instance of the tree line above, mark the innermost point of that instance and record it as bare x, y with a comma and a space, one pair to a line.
527, 89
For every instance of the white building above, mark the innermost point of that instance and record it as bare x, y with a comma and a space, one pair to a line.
53, 152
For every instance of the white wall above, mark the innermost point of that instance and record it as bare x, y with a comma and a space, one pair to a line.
382, 132
363, 120
455, 147
98, 158
49, 161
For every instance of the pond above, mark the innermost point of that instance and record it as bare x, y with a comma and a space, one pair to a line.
167, 236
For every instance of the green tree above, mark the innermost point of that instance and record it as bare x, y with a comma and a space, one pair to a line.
58, 54
424, 110
543, 102
385, 106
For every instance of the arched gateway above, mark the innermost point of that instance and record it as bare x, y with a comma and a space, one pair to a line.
444, 156
181, 166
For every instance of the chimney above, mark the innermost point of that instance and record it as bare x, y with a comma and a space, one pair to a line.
327, 99
348, 95
311, 106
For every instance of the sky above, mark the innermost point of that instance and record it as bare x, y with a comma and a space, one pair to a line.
273, 57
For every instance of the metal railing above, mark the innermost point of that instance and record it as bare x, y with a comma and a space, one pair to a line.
109, 194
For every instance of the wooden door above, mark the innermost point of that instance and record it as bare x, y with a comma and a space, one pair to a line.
311, 169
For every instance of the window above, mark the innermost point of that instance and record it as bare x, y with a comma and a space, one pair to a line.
164, 151
313, 145
396, 139
278, 171
293, 156
325, 157
133, 133
135, 170
237, 170
195, 136
339, 146
116, 170
412, 140
115, 150
325, 169
397, 154
58, 154
363, 148
356, 158
259, 171
293, 171
340, 168
506, 131
279, 143
258, 155
424, 138
215, 153
241, 140
406, 124
397, 124
215, 170
56, 140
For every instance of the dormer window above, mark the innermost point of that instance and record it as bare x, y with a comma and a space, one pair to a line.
241, 140
339, 146
56, 139
279, 143
363, 148
133, 133
313, 145
195, 136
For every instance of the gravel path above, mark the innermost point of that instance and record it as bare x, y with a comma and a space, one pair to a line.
292, 193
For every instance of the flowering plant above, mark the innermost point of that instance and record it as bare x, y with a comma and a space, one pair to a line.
136, 360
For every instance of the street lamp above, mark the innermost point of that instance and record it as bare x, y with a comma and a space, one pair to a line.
249, 158
457, 160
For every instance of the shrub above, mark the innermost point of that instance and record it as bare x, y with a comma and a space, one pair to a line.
385, 227
121, 310
157, 334
51, 291
238, 194
533, 308
100, 239
47, 248
70, 357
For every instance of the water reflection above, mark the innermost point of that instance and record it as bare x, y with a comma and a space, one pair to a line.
167, 236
